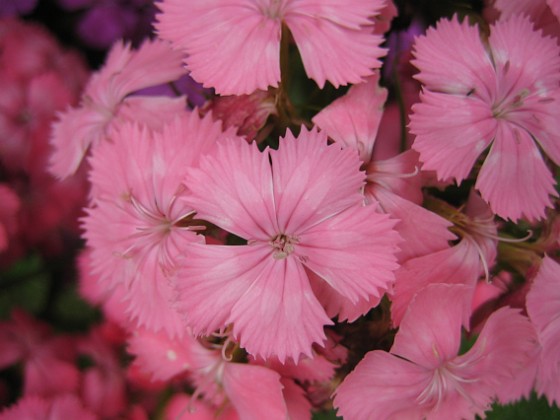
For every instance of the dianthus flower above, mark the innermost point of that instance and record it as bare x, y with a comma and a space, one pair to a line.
242, 53
503, 94
423, 377
136, 184
301, 210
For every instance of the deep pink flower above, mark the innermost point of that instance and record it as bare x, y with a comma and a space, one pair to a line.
9, 206
47, 359
137, 225
242, 53
503, 95
36, 408
300, 208
423, 377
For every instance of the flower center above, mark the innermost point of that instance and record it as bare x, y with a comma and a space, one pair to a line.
283, 245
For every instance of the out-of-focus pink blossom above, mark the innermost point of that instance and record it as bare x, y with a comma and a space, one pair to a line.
47, 360
106, 101
41, 408
9, 206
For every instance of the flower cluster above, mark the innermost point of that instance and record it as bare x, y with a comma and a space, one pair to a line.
287, 214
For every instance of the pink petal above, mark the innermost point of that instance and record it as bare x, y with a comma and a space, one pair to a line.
337, 305
254, 391
415, 224
430, 331
161, 356
451, 132
398, 174
515, 160
269, 301
126, 71
279, 314
446, 68
353, 119
331, 44
299, 407
233, 189
459, 264
511, 53
248, 57
313, 181
72, 135
215, 277
382, 386
354, 253
503, 348
152, 111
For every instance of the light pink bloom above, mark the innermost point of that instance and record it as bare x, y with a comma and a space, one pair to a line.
300, 209
423, 377
503, 95
124, 72
137, 225
242, 53
543, 307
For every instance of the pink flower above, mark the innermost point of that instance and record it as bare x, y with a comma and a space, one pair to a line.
503, 94
106, 98
334, 40
423, 376
301, 210
136, 185
543, 307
